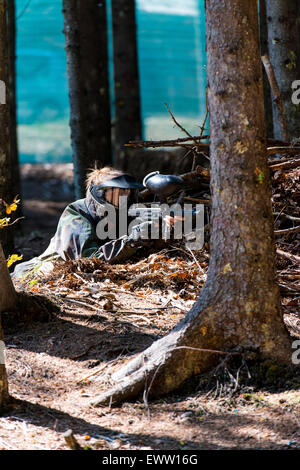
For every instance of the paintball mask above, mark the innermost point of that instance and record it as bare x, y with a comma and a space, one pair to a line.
111, 190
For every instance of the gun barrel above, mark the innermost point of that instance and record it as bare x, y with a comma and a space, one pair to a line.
148, 213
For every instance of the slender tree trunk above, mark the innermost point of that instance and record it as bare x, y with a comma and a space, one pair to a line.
8, 296
263, 35
239, 304
5, 152
8, 299
284, 52
128, 124
85, 28
4, 394
11, 28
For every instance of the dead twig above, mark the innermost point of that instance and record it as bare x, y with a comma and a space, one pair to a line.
65, 299
286, 216
294, 163
196, 261
101, 369
289, 256
180, 126
164, 143
71, 440
194, 199
287, 230
201, 132
213, 351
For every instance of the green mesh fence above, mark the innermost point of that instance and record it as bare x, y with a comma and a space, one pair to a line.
171, 46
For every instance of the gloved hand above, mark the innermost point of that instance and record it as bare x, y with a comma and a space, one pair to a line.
141, 232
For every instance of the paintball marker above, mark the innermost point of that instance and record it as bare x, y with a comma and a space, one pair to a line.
165, 217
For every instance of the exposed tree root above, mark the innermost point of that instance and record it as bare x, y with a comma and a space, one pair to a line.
194, 346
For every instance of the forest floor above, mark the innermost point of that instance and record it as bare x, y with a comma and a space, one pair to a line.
62, 359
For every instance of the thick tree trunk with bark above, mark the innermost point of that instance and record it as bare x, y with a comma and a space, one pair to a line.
128, 124
85, 28
8, 300
5, 155
284, 52
239, 304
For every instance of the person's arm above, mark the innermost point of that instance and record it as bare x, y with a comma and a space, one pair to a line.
121, 249
117, 251
75, 236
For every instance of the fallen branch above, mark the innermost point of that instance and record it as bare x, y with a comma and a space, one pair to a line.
194, 199
286, 289
289, 256
287, 216
286, 164
287, 230
164, 143
76, 302
289, 150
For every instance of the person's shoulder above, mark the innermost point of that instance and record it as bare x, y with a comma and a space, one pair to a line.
77, 205
74, 209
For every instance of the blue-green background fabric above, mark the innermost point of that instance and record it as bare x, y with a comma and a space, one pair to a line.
171, 47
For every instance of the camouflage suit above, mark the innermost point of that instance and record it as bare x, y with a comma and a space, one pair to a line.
76, 237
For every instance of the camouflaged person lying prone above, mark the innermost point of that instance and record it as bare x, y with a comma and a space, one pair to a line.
80, 231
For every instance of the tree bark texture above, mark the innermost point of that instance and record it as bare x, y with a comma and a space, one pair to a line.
239, 305
284, 52
4, 394
5, 151
11, 29
85, 28
263, 36
128, 124
8, 297
8, 300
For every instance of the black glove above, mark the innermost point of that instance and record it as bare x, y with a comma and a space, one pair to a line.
141, 232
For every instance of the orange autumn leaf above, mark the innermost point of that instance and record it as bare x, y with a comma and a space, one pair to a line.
12, 207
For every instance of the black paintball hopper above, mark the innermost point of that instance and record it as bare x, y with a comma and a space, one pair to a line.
163, 185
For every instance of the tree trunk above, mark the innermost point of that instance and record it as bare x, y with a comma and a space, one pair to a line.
4, 394
8, 299
284, 52
11, 30
85, 28
5, 155
239, 304
128, 124
263, 36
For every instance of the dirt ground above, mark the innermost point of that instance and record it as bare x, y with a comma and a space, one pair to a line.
58, 362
